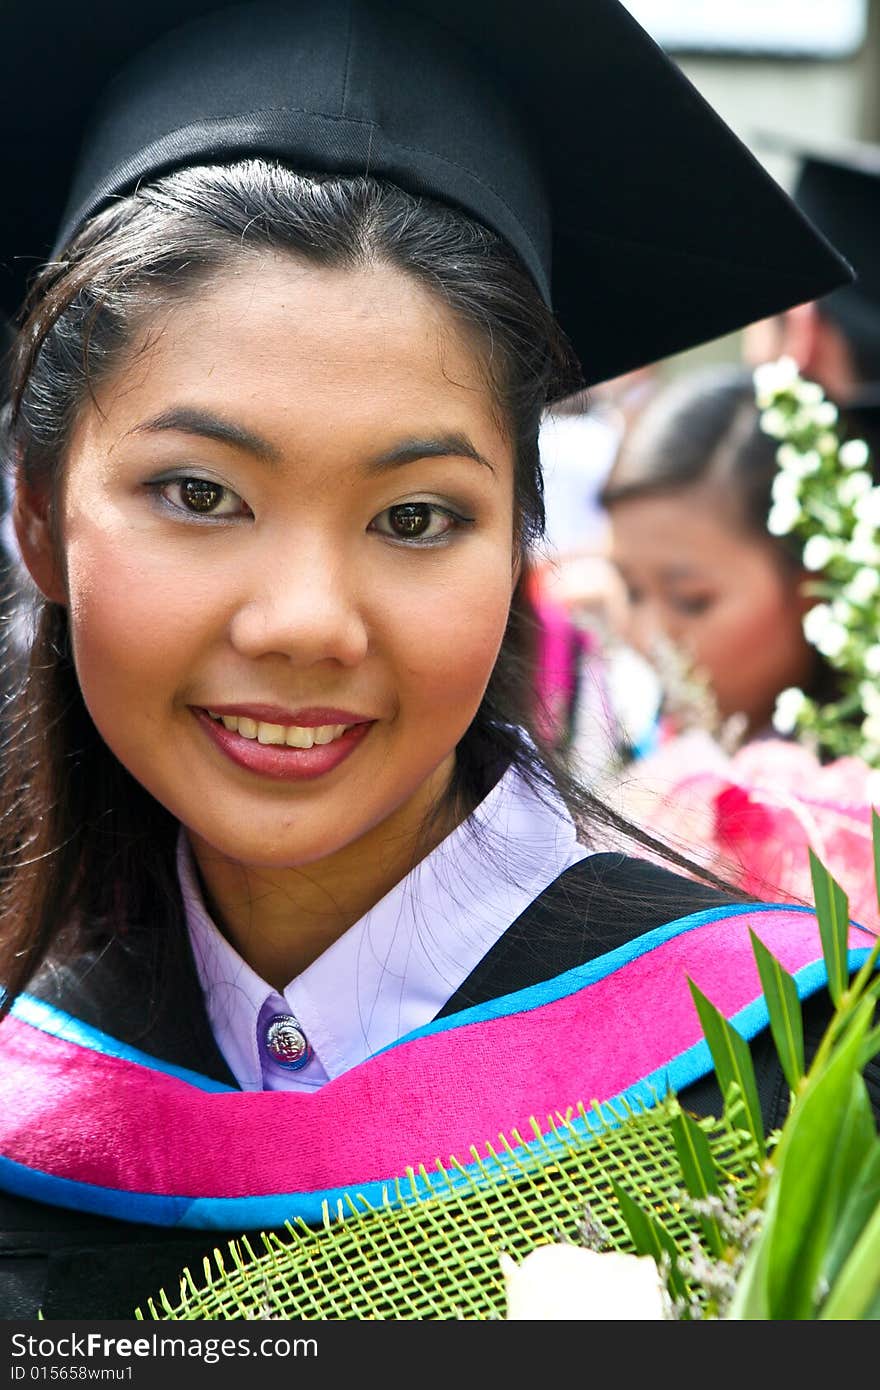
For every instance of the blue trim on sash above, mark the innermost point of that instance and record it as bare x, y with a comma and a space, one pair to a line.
274, 1209
579, 976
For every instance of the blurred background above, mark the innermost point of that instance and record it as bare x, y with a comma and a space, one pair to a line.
803, 69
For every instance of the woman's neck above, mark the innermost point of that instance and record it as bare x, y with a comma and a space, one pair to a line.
281, 919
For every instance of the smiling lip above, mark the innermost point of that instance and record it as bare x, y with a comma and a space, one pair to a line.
311, 718
278, 761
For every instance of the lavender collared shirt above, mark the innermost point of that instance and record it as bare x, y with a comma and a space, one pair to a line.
393, 970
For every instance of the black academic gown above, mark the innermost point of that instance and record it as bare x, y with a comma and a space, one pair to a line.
76, 1265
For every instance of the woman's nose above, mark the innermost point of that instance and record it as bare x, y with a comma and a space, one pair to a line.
303, 605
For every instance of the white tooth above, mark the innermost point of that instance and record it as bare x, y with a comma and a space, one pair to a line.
247, 727
325, 733
339, 730
270, 733
230, 721
296, 737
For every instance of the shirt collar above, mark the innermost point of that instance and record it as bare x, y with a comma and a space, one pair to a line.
394, 969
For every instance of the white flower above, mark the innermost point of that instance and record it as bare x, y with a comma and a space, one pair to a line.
783, 517
853, 486
867, 507
863, 585
871, 660
785, 487
771, 378
568, 1282
808, 392
817, 552
870, 697
790, 705
853, 454
823, 414
863, 548
774, 422
822, 630
871, 728
801, 465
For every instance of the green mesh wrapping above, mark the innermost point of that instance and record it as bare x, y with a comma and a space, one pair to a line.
436, 1255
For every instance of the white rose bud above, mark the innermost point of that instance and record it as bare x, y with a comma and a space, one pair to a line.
568, 1282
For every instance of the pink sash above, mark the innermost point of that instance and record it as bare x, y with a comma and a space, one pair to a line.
91, 1123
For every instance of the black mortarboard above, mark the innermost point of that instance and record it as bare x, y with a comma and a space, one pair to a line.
837, 186
561, 125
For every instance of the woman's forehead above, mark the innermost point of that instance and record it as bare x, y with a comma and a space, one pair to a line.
282, 342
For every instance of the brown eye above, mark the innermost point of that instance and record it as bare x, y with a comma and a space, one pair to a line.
410, 520
200, 494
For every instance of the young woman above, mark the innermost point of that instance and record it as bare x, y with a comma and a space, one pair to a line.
293, 900
688, 499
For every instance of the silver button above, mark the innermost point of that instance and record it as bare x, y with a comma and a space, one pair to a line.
286, 1043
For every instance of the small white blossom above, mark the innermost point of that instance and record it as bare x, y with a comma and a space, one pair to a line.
774, 422
808, 392
870, 697
823, 631
853, 454
568, 1282
790, 705
853, 486
871, 660
867, 507
871, 728
862, 548
785, 487
863, 585
783, 517
771, 378
824, 414
817, 552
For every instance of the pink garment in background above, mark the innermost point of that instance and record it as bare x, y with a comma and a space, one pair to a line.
753, 816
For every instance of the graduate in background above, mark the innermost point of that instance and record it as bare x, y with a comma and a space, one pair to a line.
835, 340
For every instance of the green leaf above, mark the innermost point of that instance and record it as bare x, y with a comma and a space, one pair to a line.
698, 1170
858, 1284
783, 1269
859, 1199
832, 910
784, 1008
732, 1061
650, 1237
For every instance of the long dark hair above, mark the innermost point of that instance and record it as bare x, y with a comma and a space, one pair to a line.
704, 428
81, 842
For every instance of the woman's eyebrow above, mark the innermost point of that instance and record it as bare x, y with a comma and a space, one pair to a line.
192, 420
437, 446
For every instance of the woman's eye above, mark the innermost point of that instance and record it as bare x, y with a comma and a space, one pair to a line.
202, 497
692, 607
416, 521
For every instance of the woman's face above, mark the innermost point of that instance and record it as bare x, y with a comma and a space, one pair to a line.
719, 595
287, 530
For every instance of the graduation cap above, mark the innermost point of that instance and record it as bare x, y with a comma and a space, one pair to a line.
562, 126
837, 186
